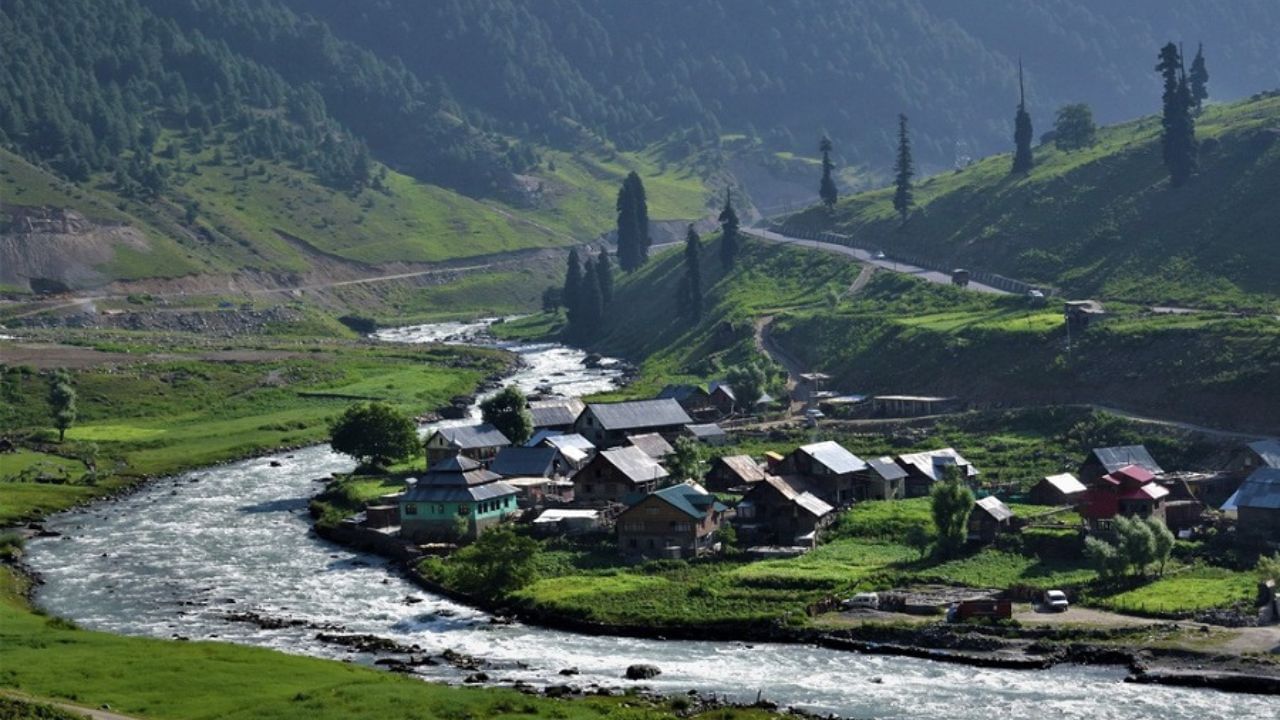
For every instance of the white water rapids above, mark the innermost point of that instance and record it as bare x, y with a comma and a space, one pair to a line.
170, 559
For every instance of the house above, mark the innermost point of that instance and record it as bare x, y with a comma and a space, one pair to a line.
478, 442
609, 424
707, 433
883, 479
574, 448
544, 462
1257, 504
567, 521
1102, 461
733, 473
679, 521
829, 468
724, 399
989, 518
911, 405
555, 414
783, 511
1062, 489
1080, 313
1260, 454
1131, 491
456, 498
653, 445
615, 474
926, 468
693, 398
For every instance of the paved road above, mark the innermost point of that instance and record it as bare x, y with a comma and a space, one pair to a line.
866, 257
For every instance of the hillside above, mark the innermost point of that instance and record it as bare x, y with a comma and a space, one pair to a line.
1103, 221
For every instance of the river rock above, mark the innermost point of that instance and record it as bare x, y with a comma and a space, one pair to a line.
558, 691
569, 671
642, 671
477, 677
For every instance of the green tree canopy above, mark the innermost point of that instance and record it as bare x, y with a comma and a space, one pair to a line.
689, 460
692, 274
950, 502
1074, 128
62, 402
508, 410
729, 240
375, 434
498, 563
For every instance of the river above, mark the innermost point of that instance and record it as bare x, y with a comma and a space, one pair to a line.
177, 557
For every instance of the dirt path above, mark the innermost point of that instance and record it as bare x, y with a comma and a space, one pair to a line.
77, 709
864, 277
765, 344
1179, 425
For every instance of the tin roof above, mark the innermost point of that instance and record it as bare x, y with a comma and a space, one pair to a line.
702, 431
1065, 483
796, 490
526, 462
1268, 450
639, 414
931, 463
1114, 458
743, 466
1260, 490
553, 415
470, 437
634, 464
834, 457
689, 498
653, 445
886, 468
992, 506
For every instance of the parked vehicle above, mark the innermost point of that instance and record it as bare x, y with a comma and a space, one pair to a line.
1055, 601
864, 600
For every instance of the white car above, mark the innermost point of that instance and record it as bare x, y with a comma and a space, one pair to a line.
865, 600
1055, 601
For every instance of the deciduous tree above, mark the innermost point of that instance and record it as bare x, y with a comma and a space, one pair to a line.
375, 434
508, 411
62, 402
950, 502
1074, 128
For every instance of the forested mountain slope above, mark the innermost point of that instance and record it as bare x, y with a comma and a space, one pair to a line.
1104, 220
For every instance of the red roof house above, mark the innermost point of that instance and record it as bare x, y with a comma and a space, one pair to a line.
1131, 491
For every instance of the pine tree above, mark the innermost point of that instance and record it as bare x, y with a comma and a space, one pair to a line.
629, 258
1022, 132
604, 273
1199, 77
827, 188
692, 274
573, 286
590, 314
729, 240
1178, 139
642, 214
904, 169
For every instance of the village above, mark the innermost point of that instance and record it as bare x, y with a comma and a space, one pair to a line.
619, 471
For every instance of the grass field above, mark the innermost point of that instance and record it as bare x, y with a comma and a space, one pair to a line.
1185, 591
48, 658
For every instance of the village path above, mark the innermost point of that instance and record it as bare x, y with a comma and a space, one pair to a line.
1179, 425
76, 709
866, 257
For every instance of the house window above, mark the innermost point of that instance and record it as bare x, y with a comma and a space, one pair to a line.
411, 509
464, 509
440, 509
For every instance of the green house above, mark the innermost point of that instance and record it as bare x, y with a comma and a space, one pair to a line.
456, 498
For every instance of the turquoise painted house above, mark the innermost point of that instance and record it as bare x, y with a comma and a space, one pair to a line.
457, 495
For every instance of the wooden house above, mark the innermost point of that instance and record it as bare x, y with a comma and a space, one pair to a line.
1102, 461
555, 414
680, 521
609, 424
926, 468
478, 442
830, 470
1260, 454
574, 448
733, 473
782, 511
724, 399
989, 518
1131, 491
1257, 504
1061, 489
616, 474
456, 499
706, 433
693, 398
883, 479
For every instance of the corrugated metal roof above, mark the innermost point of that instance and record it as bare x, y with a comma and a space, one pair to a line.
639, 414
992, 506
458, 470
743, 466
653, 445
1268, 450
705, 430
681, 392
690, 498
1066, 483
813, 504
526, 462
1261, 490
1114, 458
634, 464
886, 468
796, 490
931, 463
552, 416
470, 437
458, 493
834, 457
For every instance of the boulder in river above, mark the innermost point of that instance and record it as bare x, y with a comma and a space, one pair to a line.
642, 671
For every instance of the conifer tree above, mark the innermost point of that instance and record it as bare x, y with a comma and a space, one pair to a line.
729, 240
904, 169
827, 188
642, 214
604, 273
692, 274
590, 316
573, 286
1022, 158
1178, 139
633, 223
1199, 77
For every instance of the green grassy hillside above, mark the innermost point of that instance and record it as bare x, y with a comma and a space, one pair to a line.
1104, 220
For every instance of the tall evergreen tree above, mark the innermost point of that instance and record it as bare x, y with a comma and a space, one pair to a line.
729, 239
590, 315
573, 286
1022, 158
827, 188
1178, 139
604, 273
904, 169
692, 274
642, 214
633, 224
1199, 77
